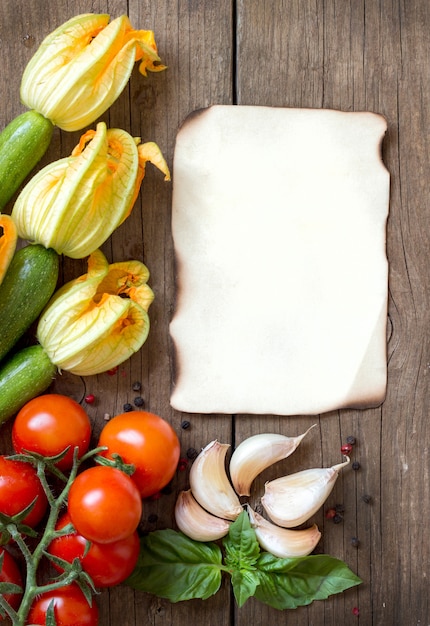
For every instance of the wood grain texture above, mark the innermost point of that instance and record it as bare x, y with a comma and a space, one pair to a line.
358, 55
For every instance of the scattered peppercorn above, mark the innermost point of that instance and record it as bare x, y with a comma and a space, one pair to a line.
337, 518
139, 401
351, 440
127, 407
182, 465
137, 386
90, 398
185, 424
330, 513
167, 490
356, 465
346, 448
192, 453
366, 498
339, 508
356, 611
112, 371
355, 542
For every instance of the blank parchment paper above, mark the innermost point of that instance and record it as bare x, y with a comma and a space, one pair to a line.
279, 226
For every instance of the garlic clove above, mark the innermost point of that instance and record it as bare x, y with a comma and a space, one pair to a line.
291, 500
195, 522
283, 542
258, 452
210, 484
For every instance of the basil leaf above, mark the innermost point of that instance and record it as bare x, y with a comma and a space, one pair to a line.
289, 583
172, 566
241, 546
244, 583
241, 555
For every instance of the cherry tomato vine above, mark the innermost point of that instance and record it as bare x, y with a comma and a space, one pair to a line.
78, 508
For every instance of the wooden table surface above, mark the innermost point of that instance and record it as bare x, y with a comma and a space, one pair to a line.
359, 55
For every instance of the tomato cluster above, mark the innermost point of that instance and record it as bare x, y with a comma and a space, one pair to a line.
105, 500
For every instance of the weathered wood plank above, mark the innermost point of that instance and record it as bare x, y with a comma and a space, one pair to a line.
365, 56
192, 42
348, 55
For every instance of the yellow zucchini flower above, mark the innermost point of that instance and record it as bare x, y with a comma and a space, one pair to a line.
8, 241
74, 204
95, 322
82, 67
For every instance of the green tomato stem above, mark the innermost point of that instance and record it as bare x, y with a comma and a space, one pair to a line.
12, 614
32, 559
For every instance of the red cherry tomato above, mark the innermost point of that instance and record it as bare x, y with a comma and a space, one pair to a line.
108, 564
49, 424
10, 573
146, 441
19, 486
70, 608
104, 504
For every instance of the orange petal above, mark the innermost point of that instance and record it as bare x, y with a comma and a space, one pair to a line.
148, 152
8, 239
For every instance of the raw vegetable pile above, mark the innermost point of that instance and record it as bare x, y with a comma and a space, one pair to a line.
48, 509
76, 507
71, 207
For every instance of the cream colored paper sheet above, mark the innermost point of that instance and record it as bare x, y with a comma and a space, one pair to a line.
279, 219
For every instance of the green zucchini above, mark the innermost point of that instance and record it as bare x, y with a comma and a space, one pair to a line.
22, 144
28, 284
27, 374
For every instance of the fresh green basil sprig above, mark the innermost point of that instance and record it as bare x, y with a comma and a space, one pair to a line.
177, 568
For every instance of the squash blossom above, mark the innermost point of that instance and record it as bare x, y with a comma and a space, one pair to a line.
8, 240
74, 204
95, 322
82, 67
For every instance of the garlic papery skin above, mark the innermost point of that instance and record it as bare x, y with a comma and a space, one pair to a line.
283, 542
195, 522
258, 452
210, 485
291, 500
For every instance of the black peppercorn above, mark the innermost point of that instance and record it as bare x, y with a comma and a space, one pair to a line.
139, 401
355, 542
366, 498
355, 465
127, 407
351, 440
192, 453
337, 518
137, 386
185, 424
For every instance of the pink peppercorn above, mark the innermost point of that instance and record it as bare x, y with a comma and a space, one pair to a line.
330, 513
90, 398
182, 465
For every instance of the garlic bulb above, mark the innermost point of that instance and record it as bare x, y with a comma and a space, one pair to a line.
256, 453
195, 522
283, 542
291, 500
210, 485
